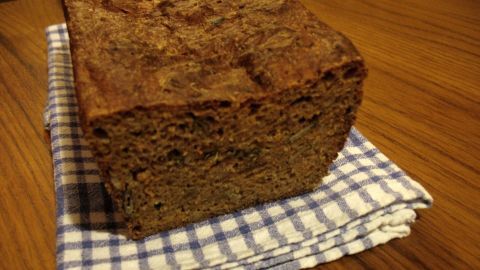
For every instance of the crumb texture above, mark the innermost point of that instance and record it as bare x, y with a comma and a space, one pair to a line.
200, 108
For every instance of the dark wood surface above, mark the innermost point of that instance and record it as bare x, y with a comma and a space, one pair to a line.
421, 108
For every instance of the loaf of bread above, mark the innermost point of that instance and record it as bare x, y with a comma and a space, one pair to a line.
197, 108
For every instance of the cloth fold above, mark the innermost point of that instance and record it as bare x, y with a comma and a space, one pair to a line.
365, 201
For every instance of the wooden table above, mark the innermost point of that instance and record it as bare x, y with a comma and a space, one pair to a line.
421, 108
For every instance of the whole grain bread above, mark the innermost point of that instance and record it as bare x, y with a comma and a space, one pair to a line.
197, 108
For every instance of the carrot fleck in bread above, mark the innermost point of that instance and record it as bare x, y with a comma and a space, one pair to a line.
197, 108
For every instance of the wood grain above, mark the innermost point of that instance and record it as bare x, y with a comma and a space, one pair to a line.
421, 108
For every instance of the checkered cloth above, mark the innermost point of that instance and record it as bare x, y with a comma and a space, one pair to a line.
365, 201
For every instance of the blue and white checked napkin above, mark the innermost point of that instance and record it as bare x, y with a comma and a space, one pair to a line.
365, 201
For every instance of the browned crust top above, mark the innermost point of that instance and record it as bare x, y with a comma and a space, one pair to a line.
166, 53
